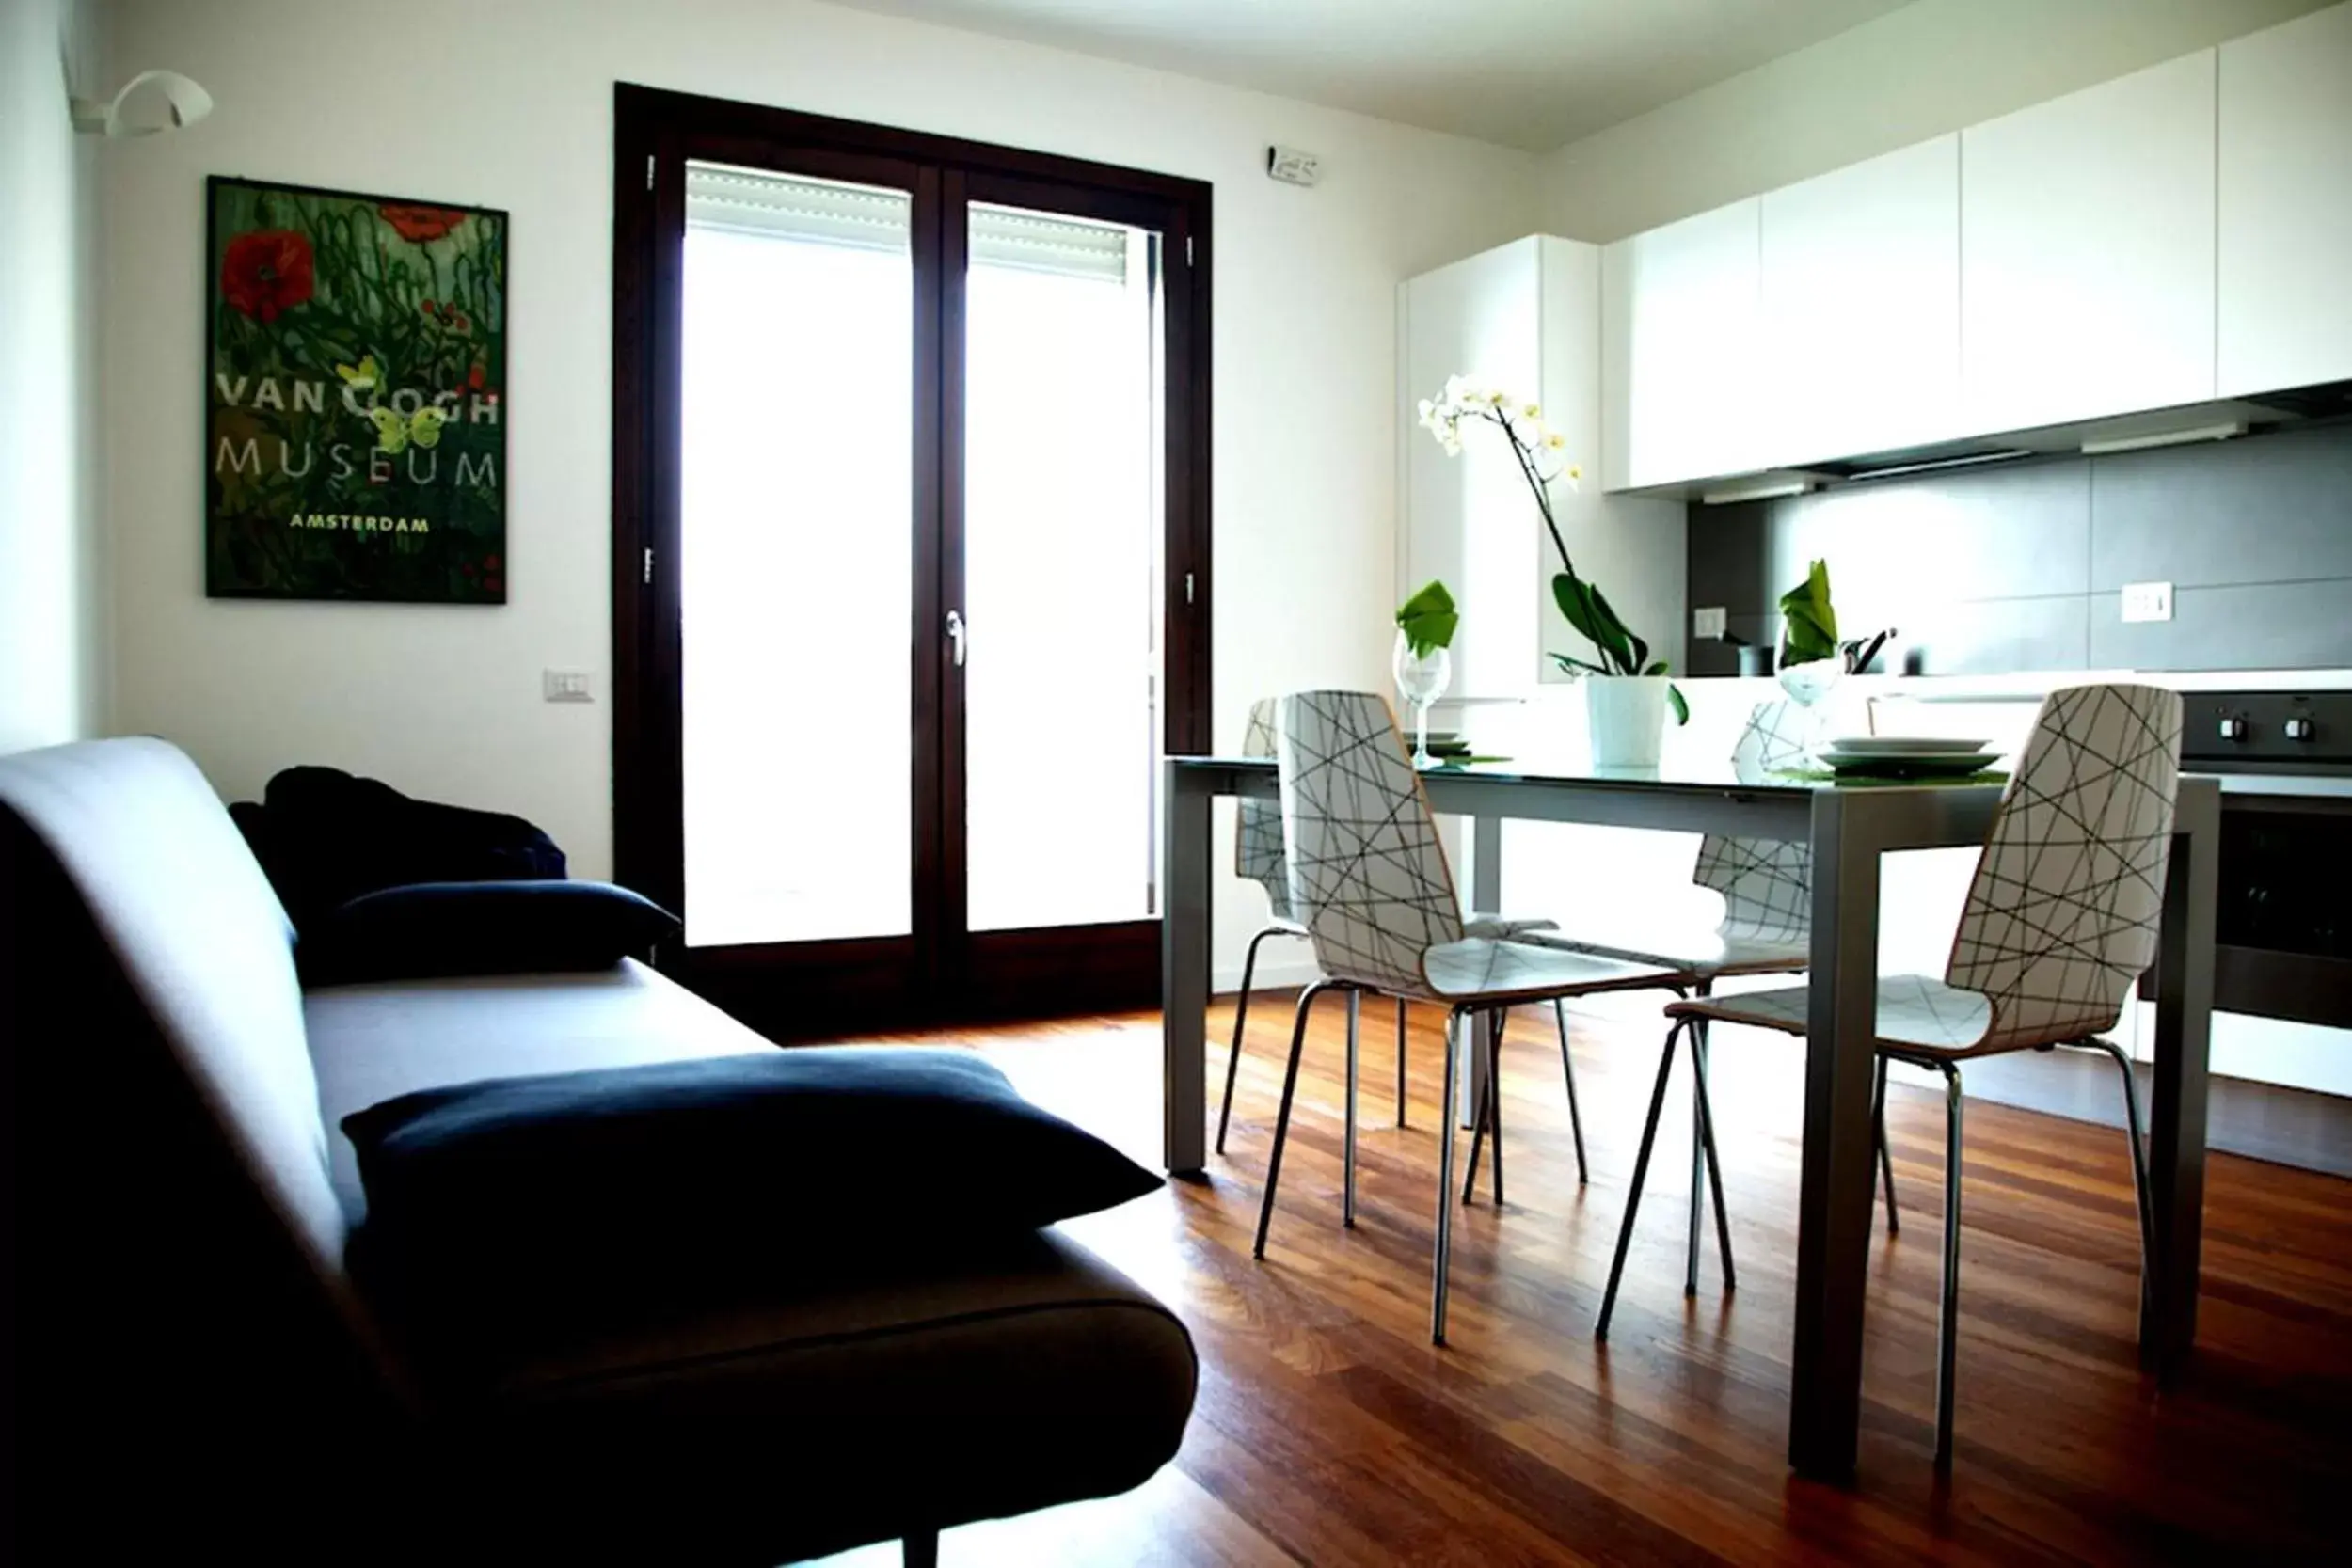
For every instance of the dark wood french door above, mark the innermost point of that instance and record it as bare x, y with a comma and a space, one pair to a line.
910, 547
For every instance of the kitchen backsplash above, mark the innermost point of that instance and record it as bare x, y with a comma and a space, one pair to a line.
2022, 567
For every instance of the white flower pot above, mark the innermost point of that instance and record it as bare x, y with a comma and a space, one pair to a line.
1627, 715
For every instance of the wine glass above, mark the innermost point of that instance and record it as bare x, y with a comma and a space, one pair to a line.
1420, 680
1808, 682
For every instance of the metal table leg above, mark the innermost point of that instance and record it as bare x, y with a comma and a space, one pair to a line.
1486, 897
1836, 1189
2176, 1109
1184, 971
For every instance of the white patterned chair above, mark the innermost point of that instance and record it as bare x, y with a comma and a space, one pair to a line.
2060, 921
1766, 928
1368, 878
1258, 855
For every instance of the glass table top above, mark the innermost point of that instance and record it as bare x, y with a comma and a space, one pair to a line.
1673, 773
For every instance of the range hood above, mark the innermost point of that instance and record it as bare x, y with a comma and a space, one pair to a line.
2160, 427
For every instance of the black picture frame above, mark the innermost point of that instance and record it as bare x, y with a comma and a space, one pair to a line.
355, 410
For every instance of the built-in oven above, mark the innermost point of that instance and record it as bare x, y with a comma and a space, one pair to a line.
2283, 913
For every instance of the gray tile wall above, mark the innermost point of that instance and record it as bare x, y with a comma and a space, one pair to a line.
2022, 566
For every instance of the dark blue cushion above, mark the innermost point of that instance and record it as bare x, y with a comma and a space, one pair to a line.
325, 837
777, 1162
433, 928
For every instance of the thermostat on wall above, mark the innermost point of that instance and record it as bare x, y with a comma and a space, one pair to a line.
1289, 164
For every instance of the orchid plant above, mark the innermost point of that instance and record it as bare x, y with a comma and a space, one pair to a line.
1542, 455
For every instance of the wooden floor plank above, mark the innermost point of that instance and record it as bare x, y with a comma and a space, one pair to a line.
1329, 1431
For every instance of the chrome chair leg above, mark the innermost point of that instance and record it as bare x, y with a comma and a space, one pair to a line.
1400, 1064
1282, 1117
1886, 1156
1445, 1182
2139, 1161
1641, 1171
1567, 1070
1490, 1114
1347, 1156
1948, 1347
1714, 1165
1698, 1154
1240, 1016
1494, 1094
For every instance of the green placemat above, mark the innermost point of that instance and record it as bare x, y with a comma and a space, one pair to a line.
1892, 781
1437, 763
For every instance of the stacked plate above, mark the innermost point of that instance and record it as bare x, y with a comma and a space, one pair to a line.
1442, 743
1907, 756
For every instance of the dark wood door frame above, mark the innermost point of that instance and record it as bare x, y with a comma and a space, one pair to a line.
1073, 969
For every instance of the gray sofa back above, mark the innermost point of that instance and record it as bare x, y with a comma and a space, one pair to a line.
203, 942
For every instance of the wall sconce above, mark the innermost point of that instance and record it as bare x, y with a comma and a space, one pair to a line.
150, 101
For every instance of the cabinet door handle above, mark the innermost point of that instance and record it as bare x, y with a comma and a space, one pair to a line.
956, 637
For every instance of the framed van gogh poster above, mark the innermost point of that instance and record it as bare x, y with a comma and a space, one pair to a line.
355, 440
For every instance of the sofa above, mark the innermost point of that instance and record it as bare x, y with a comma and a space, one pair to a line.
193, 1362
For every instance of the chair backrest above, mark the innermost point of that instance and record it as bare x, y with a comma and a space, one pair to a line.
1257, 836
2062, 916
1767, 883
1368, 876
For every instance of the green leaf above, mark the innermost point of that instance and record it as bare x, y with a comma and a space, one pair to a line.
1682, 708
1428, 620
1588, 614
1573, 665
1812, 621
1637, 651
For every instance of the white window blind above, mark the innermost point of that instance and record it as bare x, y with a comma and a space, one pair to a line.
825, 212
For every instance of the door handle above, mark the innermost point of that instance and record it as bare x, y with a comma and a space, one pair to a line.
956, 637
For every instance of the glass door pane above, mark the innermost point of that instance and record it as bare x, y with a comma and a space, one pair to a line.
797, 581
1061, 552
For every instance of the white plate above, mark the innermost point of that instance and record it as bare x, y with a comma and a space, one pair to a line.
1903, 746
1920, 762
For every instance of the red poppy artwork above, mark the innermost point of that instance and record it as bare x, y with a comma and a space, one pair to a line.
417, 224
354, 445
267, 272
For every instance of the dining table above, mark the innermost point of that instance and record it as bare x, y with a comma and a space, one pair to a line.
1850, 827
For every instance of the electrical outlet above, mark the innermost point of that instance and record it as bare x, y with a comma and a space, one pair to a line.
2147, 601
565, 686
1710, 625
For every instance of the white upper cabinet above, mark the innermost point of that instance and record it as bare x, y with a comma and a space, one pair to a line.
1859, 341
2087, 252
2286, 205
1524, 319
1678, 350
1467, 520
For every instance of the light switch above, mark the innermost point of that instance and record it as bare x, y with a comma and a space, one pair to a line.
2147, 601
1710, 625
565, 686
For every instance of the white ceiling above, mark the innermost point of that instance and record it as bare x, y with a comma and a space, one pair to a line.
1528, 73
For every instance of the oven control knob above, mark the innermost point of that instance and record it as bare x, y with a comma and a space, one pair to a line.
2234, 729
2300, 729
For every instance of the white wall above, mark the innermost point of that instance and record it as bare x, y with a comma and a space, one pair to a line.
1933, 67
510, 104
52, 631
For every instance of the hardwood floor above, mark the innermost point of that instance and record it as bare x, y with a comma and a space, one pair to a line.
1329, 1431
